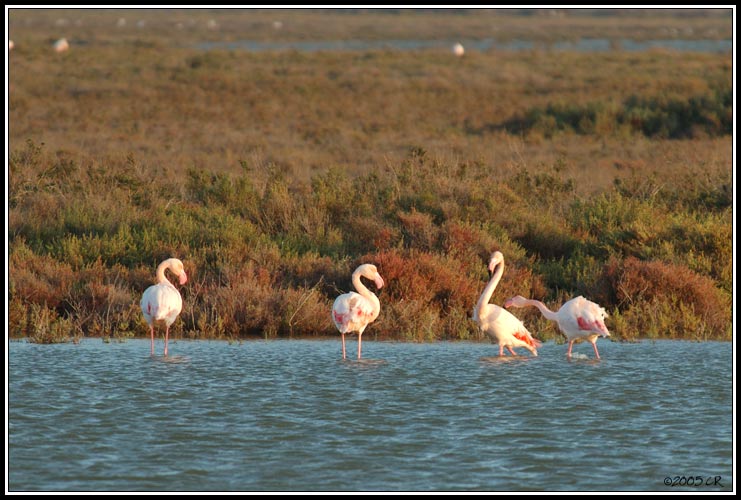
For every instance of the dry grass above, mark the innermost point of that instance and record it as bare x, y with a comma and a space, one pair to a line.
272, 174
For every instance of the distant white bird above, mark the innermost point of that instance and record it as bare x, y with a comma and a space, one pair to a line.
10, 45
162, 302
579, 319
61, 45
499, 324
353, 312
458, 50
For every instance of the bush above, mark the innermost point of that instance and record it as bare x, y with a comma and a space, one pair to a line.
668, 300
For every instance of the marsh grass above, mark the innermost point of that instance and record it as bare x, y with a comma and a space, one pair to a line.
272, 175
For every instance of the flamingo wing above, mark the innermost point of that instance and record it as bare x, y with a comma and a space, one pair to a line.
351, 312
524, 335
501, 323
519, 331
588, 317
161, 302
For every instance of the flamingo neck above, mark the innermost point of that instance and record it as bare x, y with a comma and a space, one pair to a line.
547, 313
489, 289
363, 290
161, 278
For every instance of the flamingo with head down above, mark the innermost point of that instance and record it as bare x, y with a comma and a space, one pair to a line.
579, 319
497, 323
353, 312
162, 302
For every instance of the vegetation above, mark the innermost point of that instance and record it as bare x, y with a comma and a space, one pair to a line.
272, 175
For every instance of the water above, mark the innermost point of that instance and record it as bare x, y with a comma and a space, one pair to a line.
579, 45
290, 415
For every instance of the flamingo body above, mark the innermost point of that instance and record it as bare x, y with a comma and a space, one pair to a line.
162, 302
504, 329
501, 326
578, 319
351, 312
354, 311
61, 45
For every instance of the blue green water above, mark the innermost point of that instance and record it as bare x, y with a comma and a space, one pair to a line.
290, 415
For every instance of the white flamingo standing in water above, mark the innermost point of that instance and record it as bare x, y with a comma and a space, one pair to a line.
353, 312
497, 323
162, 302
579, 319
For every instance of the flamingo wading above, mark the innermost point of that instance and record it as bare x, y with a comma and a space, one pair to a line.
353, 312
579, 319
497, 323
162, 302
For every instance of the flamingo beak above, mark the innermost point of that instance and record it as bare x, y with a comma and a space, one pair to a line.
183, 278
378, 281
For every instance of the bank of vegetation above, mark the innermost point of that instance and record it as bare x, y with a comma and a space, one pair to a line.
273, 175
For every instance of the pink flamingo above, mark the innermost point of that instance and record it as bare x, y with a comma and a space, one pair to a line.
353, 312
162, 302
497, 323
578, 319
61, 45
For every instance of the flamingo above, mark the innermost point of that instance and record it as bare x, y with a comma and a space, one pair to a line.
162, 302
61, 45
458, 50
353, 312
497, 323
578, 319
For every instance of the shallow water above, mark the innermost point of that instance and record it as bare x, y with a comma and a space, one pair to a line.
290, 415
580, 45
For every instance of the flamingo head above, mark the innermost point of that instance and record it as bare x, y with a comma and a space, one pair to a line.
371, 272
176, 266
516, 301
495, 259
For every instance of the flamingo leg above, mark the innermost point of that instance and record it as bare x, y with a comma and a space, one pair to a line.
343, 346
360, 336
571, 344
596, 353
509, 348
167, 334
501, 350
151, 332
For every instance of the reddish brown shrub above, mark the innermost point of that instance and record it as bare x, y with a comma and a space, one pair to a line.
39, 279
467, 243
636, 283
419, 230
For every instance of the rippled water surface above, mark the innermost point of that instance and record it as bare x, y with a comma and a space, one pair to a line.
290, 415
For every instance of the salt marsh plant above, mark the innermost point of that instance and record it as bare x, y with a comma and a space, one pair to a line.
273, 175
